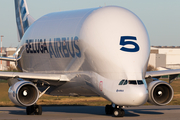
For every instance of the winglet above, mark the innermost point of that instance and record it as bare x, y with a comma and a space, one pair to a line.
23, 19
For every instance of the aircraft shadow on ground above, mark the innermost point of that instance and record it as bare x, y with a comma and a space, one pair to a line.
134, 112
95, 110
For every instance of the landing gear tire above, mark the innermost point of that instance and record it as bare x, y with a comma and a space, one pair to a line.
109, 109
34, 110
38, 110
29, 110
118, 112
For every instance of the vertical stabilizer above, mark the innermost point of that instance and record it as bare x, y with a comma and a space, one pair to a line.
23, 19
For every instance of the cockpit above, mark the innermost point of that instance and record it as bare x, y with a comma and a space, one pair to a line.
132, 82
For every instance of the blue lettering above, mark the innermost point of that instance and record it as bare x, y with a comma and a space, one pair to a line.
124, 42
56, 48
77, 47
27, 46
51, 51
36, 45
40, 45
59, 41
61, 47
30, 46
45, 47
119, 90
65, 50
71, 53
33, 47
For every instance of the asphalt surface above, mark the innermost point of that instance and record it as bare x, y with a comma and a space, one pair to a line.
92, 112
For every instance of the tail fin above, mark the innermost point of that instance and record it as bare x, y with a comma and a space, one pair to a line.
23, 19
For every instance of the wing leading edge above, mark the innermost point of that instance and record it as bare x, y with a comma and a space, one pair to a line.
38, 76
173, 73
63, 76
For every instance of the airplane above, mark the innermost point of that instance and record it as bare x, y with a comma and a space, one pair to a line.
101, 51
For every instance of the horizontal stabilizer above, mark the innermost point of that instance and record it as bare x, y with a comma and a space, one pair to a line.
8, 59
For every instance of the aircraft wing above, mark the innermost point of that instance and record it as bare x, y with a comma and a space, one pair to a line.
173, 73
64, 76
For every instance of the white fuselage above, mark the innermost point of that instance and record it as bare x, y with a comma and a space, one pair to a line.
111, 43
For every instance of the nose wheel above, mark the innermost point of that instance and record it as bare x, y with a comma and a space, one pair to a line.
117, 111
34, 110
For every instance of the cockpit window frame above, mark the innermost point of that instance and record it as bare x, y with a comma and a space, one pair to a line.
125, 82
140, 82
121, 82
131, 82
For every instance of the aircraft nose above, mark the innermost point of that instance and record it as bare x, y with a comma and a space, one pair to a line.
139, 95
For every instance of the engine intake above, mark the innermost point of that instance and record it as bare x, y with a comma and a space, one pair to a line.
160, 92
23, 93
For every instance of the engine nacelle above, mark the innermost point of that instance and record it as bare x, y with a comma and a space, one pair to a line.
23, 93
160, 92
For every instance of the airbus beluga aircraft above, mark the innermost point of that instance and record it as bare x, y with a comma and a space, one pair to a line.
100, 51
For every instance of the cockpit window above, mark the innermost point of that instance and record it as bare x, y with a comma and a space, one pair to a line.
133, 82
121, 82
125, 83
140, 82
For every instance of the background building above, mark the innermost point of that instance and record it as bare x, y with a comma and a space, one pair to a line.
7, 52
165, 57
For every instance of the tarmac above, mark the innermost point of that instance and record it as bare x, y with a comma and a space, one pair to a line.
92, 112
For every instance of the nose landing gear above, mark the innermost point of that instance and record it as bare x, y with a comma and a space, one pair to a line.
117, 111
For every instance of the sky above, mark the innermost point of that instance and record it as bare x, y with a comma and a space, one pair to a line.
160, 17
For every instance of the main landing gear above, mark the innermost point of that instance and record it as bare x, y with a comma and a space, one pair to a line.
117, 111
34, 110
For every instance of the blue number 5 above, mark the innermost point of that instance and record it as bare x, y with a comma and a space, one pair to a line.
123, 42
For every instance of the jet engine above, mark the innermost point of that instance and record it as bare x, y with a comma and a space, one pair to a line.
160, 92
23, 93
